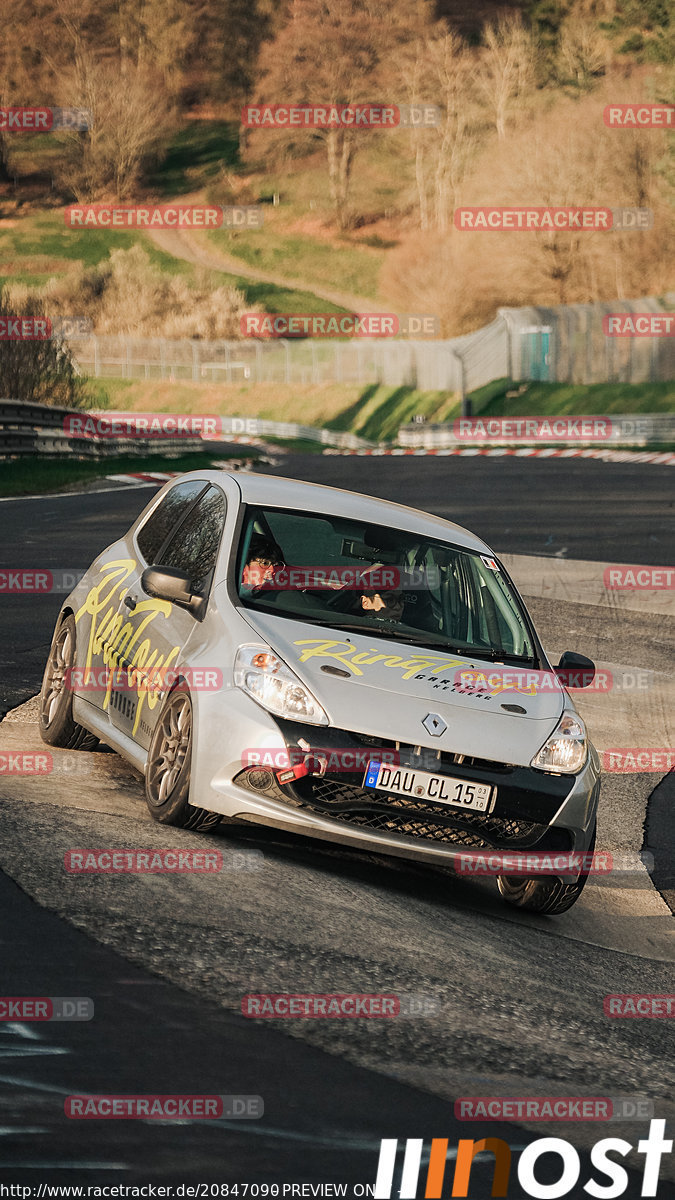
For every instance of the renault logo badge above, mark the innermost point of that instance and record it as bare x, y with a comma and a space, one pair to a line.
434, 724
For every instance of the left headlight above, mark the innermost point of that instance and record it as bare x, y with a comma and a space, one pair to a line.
267, 679
566, 749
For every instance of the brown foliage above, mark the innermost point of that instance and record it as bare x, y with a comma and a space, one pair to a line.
333, 52
565, 157
127, 294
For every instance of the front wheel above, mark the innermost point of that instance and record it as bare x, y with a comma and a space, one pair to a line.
546, 896
57, 726
167, 775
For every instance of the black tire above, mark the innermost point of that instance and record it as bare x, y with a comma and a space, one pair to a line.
546, 895
56, 724
167, 774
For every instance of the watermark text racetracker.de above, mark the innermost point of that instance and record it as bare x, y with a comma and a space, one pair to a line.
637, 324
38, 119
540, 219
339, 1005
639, 116
549, 219
492, 682
340, 116
141, 425
40, 763
645, 1004
46, 1008
164, 216
632, 760
336, 325
531, 862
553, 1108
526, 430
15, 328
623, 577
160, 1107
137, 679
118, 861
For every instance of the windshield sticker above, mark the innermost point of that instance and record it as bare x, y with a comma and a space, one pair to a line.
113, 637
489, 562
350, 656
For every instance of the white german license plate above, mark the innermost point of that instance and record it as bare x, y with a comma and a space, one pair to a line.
423, 785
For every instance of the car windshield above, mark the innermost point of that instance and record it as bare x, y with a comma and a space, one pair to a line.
348, 575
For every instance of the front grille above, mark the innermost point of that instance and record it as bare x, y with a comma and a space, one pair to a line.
413, 818
431, 759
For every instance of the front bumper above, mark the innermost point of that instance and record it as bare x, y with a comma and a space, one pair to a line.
533, 810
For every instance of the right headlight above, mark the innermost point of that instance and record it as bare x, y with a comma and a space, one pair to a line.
566, 749
266, 678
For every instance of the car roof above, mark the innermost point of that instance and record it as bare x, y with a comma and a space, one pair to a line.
276, 491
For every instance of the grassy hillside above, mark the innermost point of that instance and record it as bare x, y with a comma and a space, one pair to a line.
372, 412
376, 412
543, 399
37, 247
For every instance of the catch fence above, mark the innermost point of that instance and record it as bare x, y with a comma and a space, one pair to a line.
564, 344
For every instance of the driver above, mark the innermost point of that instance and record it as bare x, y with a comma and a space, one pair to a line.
264, 559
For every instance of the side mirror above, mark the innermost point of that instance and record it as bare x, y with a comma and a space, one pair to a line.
167, 583
575, 670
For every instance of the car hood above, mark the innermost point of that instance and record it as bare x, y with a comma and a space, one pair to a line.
387, 688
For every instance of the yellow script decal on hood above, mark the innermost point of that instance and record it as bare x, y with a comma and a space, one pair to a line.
351, 656
114, 638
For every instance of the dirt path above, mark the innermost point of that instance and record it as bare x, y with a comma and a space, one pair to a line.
186, 245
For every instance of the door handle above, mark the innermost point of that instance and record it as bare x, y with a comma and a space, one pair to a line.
130, 602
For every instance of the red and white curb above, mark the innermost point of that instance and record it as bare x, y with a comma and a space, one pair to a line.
145, 477
649, 456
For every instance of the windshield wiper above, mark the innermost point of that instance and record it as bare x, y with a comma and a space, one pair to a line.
422, 638
431, 641
498, 655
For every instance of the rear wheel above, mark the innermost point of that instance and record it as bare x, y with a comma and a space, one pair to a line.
547, 896
56, 723
167, 775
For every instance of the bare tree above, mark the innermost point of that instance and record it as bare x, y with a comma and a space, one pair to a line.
583, 52
438, 70
15, 72
505, 72
169, 34
335, 52
127, 125
452, 74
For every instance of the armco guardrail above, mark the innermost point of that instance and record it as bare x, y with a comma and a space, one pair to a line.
637, 429
38, 430
242, 427
258, 427
35, 429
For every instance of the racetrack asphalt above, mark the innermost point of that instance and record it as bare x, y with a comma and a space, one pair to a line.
521, 998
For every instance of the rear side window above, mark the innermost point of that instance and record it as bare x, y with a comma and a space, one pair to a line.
173, 507
194, 547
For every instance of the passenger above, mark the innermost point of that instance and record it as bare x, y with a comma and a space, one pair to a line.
385, 605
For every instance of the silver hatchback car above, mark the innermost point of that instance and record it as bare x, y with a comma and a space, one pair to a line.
342, 667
